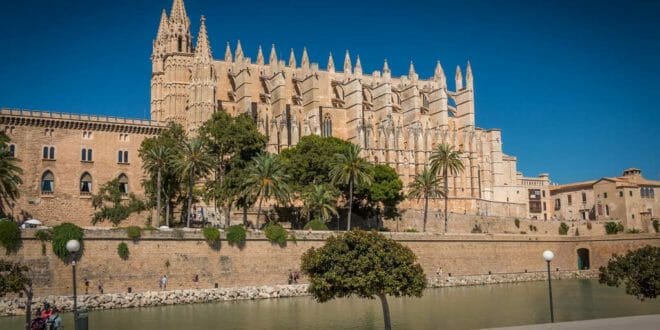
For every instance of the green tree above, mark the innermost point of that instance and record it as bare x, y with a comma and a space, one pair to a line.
320, 201
232, 143
193, 162
385, 189
310, 160
172, 188
349, 168
638, 270
365, 264
446, 161
266, 179
10, 175
111, 205
426, 185
14, 278
156, 161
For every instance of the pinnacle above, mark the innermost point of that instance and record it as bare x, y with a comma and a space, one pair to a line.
411, 69
331, 63
162, 27
292, 59
304, 61
228, 57
386, 67
347, 63
260, 56
178, 13
203, 47
358, 65
272, 59
239, 52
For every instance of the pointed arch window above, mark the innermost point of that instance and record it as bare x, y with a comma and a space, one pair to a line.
47, 183
326, 127
123, 184
86, 184
48, 152
86, 155
122, 156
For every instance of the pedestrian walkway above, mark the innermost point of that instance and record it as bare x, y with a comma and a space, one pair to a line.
644, 322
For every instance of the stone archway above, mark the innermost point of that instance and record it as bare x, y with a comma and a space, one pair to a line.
583, 262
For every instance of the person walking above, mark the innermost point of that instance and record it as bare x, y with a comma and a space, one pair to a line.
163, 282
54, 320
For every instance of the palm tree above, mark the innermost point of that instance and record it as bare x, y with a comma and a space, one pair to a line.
445, 160
322, 199
426, 185
194, 161
10, 175
349, 168
266, 178
158, 160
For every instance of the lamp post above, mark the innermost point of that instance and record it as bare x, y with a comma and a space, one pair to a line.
548, 256
73, 246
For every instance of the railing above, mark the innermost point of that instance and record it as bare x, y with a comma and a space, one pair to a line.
72, 116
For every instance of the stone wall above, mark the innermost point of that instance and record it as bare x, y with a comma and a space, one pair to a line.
183, 254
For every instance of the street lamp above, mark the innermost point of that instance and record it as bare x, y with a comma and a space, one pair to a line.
73, 246
548, 256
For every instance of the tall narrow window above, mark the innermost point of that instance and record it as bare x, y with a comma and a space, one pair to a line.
123, 184
47, 183
125, 156
51, 153
570, 199
45, 153
120, 156
12, 150
607, 210
584, 197
85, 184
89, 155
83, 155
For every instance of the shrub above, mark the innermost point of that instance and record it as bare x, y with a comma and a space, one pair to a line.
212, 237
589, 225
613, 228
656, 225
122, 251
292, 238
316, 224
10, 235
517, 222
134, 232
411, 230
62, 234
276, 233
633, 231
476, 229
43, 235
236, 235
563, 229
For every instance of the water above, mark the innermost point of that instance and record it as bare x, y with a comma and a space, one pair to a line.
447, 308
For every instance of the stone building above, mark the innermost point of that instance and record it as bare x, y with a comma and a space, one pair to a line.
66, 157
396, 120
629, 198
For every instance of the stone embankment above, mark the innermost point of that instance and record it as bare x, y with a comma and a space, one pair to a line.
16, 306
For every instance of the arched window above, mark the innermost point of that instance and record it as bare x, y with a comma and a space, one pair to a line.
89, 155
86, 155
179, 44
47, 183
123, 184
125, 156
120, 156
85, 184
51, 153
45, 153
326, 127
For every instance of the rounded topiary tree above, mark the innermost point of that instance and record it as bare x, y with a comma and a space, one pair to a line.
364, 264
10, 235
62, 234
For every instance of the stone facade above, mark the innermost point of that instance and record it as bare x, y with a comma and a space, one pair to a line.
396, 120
629, 198
66, 157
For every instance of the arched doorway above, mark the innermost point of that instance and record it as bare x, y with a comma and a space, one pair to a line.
583, 259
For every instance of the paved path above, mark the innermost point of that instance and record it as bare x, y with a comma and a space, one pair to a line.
644, 322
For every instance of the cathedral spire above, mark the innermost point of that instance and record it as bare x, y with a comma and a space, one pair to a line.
347, 63
239, 53
272, 59
292, 59
228, 57
203, 47
358, 66
386, 67
439, 75
411, 71
304, 61
468, 76
260, 56
331, 63
178, 13
162, 27
458, 78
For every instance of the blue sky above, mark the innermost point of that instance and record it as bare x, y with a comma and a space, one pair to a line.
572, 84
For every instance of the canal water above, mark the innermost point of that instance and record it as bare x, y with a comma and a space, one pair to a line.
447, 308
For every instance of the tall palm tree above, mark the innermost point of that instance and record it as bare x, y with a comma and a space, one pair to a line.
349, 168
266, 178
322, 200
158, 160
446, 161
195, 162
426, 185
10, 175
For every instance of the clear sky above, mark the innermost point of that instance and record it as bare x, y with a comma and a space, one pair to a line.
572, 84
